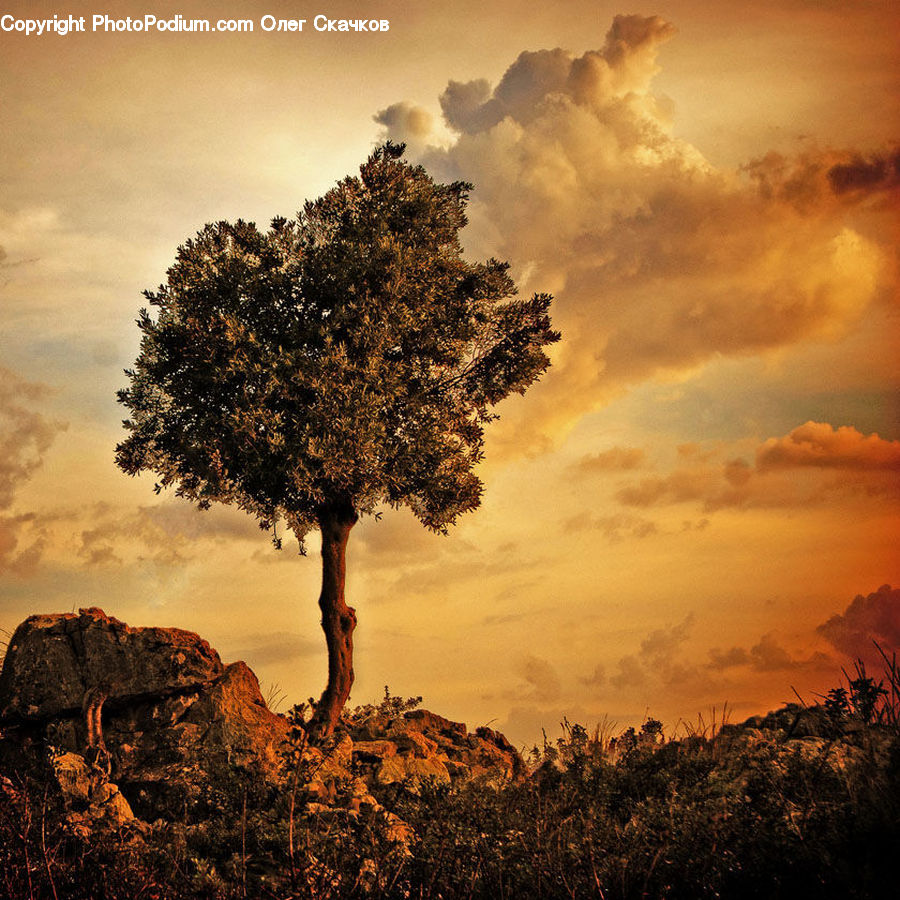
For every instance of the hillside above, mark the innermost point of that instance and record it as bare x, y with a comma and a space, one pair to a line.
134, 763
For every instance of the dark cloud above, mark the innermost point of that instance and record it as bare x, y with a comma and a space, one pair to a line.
875, 617
813, 179
866, 173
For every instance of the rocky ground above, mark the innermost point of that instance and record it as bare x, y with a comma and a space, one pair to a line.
138, 723
134, 763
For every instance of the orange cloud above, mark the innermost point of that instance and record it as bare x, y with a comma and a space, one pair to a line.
767, 655
659, 262
815, 178
837, 462
614, 459
820, 445
166, 533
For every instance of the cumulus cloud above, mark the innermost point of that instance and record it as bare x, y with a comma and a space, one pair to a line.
659, 261
820, 445
875, 617
814, 462
659, 659
406, 122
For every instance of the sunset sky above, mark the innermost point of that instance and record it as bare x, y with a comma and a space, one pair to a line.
678, 516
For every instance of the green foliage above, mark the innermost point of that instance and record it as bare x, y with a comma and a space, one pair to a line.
349, 357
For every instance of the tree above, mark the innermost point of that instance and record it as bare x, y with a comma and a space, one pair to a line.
342, 360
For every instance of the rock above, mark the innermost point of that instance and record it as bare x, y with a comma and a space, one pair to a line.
425, 721
54, 660
173, 719
411, 771
89, 796
420, 744
181, 730
373, 751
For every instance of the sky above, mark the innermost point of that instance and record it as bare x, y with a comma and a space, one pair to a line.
695, 508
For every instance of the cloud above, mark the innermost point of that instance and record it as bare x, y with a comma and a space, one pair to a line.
820, 445
15, 560
728, 659
279, 647
658, 659
866, 174
25, 435
597, 678
167, 533
615, 459
842, 177
767, 655
615, 528
25, 438
812, 463
542, 679
406, 122
659, 261
875, 617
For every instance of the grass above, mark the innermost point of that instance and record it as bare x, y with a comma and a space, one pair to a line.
804, 803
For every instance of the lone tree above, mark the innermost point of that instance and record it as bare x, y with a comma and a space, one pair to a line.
344, 359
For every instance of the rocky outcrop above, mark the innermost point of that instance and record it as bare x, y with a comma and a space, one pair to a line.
150, 720
169, 715
53, 661
420, 745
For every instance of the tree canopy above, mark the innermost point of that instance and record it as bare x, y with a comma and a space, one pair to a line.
347, 357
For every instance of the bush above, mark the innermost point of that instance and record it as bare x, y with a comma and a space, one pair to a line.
775, 811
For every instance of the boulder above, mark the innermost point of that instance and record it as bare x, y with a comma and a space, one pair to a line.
54, 660
171, 716
175, 728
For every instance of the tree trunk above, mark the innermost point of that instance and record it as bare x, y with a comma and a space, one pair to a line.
338, 619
